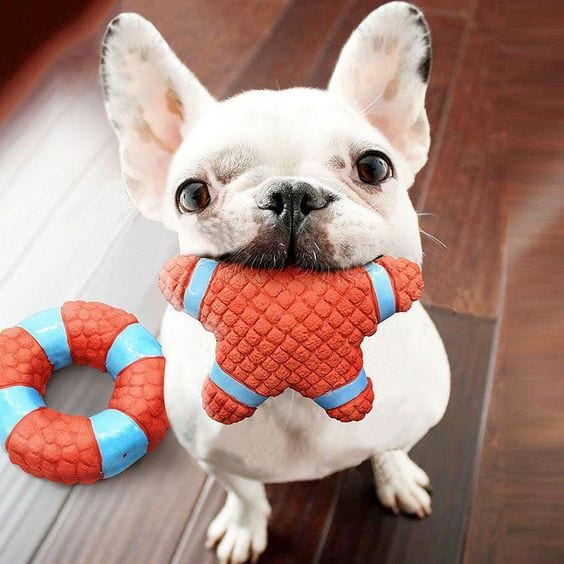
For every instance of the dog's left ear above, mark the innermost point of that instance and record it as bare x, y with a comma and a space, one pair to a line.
383, 72
152, 101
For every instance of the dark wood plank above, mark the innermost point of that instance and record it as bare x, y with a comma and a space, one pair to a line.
25, 27
301, 513
362, 531
462, 8
33, 36
447, 33
464, 181
518, 509
294, 46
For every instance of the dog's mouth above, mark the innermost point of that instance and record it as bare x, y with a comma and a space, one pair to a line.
281, 249
305, 252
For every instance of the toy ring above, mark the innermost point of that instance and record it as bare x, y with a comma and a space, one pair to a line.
73, 448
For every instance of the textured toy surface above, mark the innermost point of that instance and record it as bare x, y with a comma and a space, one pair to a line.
72, 448
291, 328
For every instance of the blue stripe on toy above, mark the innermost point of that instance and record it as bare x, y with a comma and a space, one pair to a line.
198, 285
120, 439
344, 394
133, 343
48, 329
234, 388
15, 403
383, 289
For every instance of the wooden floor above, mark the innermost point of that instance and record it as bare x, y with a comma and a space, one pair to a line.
493, 185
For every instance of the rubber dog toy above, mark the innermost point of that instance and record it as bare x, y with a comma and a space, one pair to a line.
72, 448
291, 328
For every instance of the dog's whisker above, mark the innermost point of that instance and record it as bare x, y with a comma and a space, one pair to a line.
435, 239
365, 111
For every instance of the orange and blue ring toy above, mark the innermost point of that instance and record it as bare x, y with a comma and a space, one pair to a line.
73, 448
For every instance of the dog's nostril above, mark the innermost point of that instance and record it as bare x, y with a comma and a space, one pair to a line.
274, 200
277, 203
297, 199
312, 201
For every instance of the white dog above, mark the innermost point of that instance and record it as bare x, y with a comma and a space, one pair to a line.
319, 178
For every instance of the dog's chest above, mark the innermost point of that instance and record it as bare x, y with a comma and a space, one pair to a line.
290, 437
290, 329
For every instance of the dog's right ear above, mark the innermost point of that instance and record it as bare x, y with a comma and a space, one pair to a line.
152, 101
383, 71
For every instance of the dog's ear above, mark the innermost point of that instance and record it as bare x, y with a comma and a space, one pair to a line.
152, 100
383, 71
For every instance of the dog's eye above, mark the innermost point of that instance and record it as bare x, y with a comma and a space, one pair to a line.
374, 167
192, 196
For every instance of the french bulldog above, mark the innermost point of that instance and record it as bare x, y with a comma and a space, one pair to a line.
304, 176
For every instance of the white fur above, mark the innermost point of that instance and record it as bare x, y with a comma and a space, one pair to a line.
292, 135
291, 438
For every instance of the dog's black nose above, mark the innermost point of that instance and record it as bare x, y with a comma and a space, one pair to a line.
292, 202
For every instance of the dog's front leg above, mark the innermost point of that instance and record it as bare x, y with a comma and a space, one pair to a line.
240, 528
401, 484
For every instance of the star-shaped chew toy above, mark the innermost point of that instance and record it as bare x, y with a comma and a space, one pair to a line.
291, 328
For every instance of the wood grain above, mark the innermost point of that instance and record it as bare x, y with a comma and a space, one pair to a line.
464, 182
518, 508
291, 53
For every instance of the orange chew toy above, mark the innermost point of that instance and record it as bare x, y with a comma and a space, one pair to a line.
291, 328
72, 448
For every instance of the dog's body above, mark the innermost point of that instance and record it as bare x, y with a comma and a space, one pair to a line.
291, 438
318, 178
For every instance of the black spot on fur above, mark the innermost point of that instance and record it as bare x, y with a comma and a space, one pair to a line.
114, 23
420, 22
109, 32
104, 52
424, 68
105, 86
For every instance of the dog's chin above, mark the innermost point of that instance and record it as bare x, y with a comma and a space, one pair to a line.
278, 259
277, 256
309, 249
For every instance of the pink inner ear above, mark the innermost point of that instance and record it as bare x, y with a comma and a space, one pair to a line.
161, 109
171, 133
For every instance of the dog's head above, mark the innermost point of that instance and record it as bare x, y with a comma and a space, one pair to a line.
314, 177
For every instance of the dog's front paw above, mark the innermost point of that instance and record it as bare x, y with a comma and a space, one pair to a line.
238, 532
401, 484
